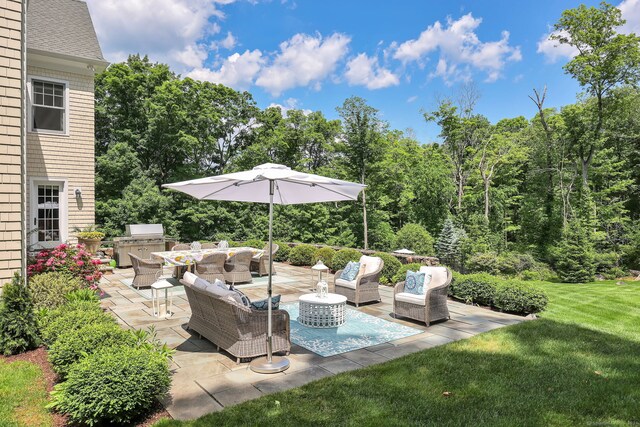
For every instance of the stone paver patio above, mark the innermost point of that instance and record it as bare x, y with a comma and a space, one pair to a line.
206, 380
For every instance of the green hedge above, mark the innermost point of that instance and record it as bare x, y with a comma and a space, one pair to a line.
343, 256
302, 255
325, 254
283, 252
114, 386
401, 274
254, 243
71, 345
390, 267
69, 317
511, 296
48, 290
517, 297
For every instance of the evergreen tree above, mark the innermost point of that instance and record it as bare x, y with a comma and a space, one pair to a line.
448, 245
18, 327
575, 254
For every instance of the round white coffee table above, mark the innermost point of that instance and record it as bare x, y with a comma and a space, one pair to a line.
326, 312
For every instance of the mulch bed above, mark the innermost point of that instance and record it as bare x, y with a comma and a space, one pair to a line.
39, 358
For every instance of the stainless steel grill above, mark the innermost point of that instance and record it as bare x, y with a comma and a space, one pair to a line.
140, 240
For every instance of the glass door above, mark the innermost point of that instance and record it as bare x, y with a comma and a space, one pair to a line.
48, 213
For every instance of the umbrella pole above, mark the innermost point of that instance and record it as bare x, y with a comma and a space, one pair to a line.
270, 364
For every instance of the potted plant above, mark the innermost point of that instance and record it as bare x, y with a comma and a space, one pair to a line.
90, 237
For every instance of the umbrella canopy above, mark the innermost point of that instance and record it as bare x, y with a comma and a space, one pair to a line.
274, 184
291, 187
404, 251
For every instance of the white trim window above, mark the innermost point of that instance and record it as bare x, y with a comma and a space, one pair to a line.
48, 105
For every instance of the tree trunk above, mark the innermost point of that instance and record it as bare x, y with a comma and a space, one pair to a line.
460, 191
486, 199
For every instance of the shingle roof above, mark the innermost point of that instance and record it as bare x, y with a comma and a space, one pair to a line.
63, 27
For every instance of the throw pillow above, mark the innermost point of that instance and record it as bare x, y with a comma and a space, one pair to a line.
189, 277
350, 271
362, 269
263, 304
201, 284
427, 282
239, 297
414, 283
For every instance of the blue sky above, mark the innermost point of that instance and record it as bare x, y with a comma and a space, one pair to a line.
400, 56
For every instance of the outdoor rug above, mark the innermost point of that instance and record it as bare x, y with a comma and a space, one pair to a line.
359, 331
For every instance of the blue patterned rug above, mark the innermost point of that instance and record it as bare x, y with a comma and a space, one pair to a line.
359, 331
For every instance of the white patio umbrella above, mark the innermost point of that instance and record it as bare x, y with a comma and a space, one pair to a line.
270, 183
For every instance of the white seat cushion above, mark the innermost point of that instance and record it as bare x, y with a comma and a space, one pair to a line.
411, 298
438, 275
372, 263
346, 283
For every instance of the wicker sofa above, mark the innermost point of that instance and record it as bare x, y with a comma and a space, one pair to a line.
363, 288
429, 307
239, 330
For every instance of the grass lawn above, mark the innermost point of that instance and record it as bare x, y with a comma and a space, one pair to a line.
23, 395
578, 365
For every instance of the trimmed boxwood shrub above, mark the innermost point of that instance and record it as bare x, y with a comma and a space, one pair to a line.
343, 256
325, 254
18, 323
477, 288
254, 243
71, 345
416, 238
390, 267
48, 290
401, 274
302, 255
71, 316
82, 295
520, 298
115, 386
283, 252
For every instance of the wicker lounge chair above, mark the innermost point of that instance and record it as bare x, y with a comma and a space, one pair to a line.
237, 268
211, 267
181, 247
147, 271
261, 264
179, 270
429, 307
240, 331
209, 246
363, 288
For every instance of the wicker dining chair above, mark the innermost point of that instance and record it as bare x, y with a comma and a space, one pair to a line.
237, 267
363, 288
261, 264
211, 267
147, 271
209, 245
429, 307
181, 247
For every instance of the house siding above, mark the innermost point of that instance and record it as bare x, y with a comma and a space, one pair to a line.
67, 157
11, 155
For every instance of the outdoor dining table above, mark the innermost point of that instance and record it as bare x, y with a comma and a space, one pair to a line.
191, 257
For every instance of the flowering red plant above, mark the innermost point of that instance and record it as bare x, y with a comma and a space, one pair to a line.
71, 259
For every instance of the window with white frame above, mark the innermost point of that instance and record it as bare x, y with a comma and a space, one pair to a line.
48, 106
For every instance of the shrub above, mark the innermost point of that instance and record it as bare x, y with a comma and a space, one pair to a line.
414, 237
71, 345
575, 255
114, 386
82, 295
325, 254
520, 298
90, 235
390, 267
401, 274
254, 243
479, 288
343, 256
71, 316
64, 258
506, 264
18, 324
302, 255
283, 252
449, 244
48, 290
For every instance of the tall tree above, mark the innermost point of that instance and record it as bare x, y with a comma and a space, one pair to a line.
362, 131
605, 59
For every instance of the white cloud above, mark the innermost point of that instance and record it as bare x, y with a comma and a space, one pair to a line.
460, 49
365, 71
237, 71
229, 42
554, 50
303, 60
289, 104
166, 30
412, 99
